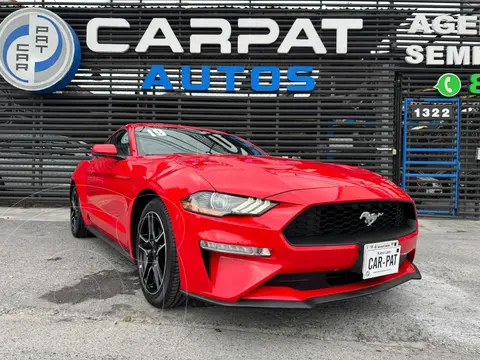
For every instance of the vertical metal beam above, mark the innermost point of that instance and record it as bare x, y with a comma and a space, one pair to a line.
397, 123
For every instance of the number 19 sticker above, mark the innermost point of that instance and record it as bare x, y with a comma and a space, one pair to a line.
156, 132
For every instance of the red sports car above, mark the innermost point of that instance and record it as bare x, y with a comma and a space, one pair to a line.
208, 215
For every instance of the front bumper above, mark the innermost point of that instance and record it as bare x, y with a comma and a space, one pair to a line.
239, 280
289, 300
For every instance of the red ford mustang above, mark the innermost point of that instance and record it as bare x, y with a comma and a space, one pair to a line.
210, 216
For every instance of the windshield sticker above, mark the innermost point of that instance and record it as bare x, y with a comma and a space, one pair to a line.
156, 132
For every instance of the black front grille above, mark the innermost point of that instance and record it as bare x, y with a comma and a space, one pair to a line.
340, 223
319, 280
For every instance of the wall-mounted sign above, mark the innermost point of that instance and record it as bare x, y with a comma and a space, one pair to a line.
301, 76
301, 34
448, 85
39, 52
432, 111
462, 25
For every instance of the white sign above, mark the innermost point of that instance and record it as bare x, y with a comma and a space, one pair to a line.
167, 38
40, 51
462, 25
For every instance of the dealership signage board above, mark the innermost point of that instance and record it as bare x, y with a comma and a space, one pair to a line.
40, 52
43, 44
462, 25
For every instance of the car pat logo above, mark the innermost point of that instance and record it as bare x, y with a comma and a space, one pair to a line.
39, 51
370, 218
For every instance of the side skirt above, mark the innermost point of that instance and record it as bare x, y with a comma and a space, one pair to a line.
107, 239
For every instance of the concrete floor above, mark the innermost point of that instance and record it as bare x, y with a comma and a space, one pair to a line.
64, 298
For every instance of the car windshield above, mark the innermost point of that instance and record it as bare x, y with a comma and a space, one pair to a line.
153, 140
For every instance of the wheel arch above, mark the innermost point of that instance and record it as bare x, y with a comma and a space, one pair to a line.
72, 186
141, 200
78, 181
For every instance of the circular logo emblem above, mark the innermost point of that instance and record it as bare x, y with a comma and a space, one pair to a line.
39, 51
448, 85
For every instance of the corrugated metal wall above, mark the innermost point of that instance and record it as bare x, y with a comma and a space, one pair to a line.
353, 116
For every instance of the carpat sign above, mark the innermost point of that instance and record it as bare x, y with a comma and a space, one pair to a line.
40, 52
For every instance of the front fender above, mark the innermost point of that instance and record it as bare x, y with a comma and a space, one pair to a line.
79, 178
170, 187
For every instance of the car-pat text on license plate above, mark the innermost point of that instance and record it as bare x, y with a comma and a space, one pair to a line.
381, 259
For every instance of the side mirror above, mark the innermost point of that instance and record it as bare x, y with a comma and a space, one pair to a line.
105, 150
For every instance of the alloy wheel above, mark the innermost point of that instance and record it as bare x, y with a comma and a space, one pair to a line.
152, 254
74, 210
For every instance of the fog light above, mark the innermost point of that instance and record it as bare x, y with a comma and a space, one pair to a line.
234, 249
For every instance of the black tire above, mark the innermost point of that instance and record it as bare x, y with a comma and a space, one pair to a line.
157, 265
77, 226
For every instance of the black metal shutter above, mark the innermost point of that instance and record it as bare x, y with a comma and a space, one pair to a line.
413, 85
347, 119
351, 117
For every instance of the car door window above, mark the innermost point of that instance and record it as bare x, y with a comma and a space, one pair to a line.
121, 140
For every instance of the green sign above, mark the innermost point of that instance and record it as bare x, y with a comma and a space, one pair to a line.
448, 85
474, 86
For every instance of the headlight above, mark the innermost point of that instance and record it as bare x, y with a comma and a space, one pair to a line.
218, 204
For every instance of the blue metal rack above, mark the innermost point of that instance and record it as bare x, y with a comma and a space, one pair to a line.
454, 175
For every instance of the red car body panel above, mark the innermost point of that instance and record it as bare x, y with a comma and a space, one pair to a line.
108, 188
287, 294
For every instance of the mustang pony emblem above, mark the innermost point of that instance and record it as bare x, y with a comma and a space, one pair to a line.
370, 218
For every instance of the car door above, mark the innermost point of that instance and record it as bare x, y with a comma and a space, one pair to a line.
107, 182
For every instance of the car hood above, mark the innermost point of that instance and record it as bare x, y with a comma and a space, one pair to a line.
265, 176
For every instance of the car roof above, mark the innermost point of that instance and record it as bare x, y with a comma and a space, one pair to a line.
160, 125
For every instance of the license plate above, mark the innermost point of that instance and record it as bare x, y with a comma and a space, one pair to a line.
381, 259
